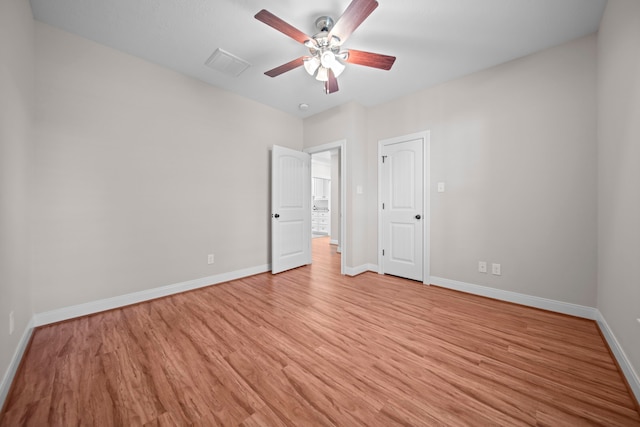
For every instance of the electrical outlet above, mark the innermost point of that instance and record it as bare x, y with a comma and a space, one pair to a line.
495, 269
12, 324
482, 266
210, 259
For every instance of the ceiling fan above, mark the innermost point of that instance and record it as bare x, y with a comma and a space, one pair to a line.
325, 48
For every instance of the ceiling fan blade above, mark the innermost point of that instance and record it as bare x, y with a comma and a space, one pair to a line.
369, 59
353, 16
286, 67
331, 85
273, 21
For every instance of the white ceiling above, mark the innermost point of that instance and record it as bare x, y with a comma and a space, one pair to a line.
433, 40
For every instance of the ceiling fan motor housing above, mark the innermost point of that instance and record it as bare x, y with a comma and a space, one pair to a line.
324, 23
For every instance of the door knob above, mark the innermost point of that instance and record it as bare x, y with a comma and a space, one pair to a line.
276, 216
418, 216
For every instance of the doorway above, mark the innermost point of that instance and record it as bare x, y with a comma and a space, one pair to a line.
403, 212
328, 196
325, 169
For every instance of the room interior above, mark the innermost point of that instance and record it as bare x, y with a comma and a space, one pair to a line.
119, 174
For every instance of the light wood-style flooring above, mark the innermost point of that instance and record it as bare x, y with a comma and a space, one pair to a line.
310, 347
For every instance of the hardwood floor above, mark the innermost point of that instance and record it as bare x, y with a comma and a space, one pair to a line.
311, 347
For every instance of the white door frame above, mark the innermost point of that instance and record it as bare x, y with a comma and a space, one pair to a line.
425, 136
342, 146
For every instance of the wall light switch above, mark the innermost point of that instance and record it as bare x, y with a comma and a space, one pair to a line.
441, 187
359, 189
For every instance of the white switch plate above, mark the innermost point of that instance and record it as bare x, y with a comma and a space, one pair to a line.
210, 259
359, 189
441, 187
495, 269
482, 266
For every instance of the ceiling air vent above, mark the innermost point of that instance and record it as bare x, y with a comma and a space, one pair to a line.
227, 63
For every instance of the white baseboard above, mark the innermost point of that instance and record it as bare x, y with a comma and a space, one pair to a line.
518, 298
354, 271
7, 379
333, 242
92, 307
627, 368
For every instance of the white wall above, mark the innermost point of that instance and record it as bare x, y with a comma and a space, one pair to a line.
141, 172
619, 174
516, 147
16, 120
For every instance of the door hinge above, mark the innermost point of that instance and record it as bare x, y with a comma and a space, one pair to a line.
383, 252
383, 206
383, 158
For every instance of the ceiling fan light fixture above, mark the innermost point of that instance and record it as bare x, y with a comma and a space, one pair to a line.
327, 59
337, 68
311, 64
322, 75
313, 46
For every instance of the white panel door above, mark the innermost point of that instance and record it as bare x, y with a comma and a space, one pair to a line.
290, 209
402, 216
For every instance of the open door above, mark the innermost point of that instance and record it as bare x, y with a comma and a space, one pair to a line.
290, 209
